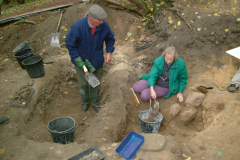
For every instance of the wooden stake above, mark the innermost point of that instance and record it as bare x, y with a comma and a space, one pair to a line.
134, 99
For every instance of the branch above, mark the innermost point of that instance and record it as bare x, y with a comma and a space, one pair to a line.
176, 12
126, 8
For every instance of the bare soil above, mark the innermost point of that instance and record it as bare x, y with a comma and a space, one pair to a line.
202, 45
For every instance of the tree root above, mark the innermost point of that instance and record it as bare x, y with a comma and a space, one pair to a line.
24, 21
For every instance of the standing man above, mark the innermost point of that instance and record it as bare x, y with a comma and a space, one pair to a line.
85, 42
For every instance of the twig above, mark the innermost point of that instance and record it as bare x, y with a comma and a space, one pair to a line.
62, 44
24, 21
174, 11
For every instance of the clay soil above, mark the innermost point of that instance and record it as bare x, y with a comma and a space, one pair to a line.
202, 45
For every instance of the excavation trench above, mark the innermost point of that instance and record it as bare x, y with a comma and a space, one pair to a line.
60, 97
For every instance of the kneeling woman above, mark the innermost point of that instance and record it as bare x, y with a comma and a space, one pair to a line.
167, 77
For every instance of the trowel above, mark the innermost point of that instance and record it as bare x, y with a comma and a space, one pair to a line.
155, 108
91, 78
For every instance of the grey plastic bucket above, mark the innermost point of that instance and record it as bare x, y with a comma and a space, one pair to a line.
150, 127
34, 66
62, 129
23, 54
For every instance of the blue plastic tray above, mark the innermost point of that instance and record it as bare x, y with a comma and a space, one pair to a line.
130, 145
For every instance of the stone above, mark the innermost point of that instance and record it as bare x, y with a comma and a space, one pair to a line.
174, 109
195, 99
187, 116
153, 142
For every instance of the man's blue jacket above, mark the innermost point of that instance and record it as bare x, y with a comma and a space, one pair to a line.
81, 42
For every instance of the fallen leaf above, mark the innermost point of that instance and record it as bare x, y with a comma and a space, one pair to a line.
129, 34
199, 29
64, 37
238, 19
196, 13
65, 29
104, 139
201, 1
184, 155
85, 118
199, 17
59, 55
109, 154
144, 24
139, 27
106, 128
133, 120
217, 42
178, 23
103, 148
11, 96
182, 14
41, 112
209, 15
114, 144
151, 9
2, 151
175, 27
133, 40
215, 14
192, 21
219, 153
170, 21
212, 33
189, 158
65, 92
170, 18
234, 9
226, 30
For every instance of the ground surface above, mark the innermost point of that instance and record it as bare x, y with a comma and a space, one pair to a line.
202, 46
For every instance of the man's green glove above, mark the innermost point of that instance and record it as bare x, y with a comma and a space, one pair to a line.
79, 62
89, 65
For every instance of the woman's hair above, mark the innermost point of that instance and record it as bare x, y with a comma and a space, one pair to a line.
172, 51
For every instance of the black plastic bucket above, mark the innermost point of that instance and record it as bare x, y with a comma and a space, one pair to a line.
23, 45
62, 129
150, 127
34, 66
23, 54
